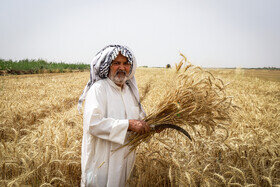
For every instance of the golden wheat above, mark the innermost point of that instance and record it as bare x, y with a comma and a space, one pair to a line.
41, 132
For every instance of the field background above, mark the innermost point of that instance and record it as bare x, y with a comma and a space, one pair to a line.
38, 66
41, 133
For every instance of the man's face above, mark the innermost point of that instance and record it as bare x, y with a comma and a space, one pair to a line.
119, 70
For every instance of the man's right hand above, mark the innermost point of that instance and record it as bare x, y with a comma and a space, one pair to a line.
138, 126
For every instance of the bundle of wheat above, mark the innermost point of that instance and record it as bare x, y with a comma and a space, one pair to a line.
196, 98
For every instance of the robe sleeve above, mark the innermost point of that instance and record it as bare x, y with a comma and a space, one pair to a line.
96, 124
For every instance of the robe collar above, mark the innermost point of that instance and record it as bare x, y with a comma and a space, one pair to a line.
111, 83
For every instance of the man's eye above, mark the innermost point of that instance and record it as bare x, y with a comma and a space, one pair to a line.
116, 63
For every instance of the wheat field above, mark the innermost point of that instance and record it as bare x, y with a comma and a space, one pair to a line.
41, 133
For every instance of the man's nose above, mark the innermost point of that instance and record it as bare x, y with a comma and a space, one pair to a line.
121, 67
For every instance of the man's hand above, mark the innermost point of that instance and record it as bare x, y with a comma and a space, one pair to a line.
138, 126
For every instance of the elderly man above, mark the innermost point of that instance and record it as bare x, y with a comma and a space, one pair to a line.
112, 111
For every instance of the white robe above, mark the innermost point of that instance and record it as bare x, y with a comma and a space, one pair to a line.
105, 124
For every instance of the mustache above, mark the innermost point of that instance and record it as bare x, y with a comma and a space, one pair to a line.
121, 71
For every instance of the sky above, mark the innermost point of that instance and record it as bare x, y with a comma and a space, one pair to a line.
210, 33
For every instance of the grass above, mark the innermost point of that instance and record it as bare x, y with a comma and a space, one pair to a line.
37, 66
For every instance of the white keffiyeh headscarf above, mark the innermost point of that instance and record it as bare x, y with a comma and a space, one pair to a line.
100, 66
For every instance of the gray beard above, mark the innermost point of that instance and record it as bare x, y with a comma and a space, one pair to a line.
118, 80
